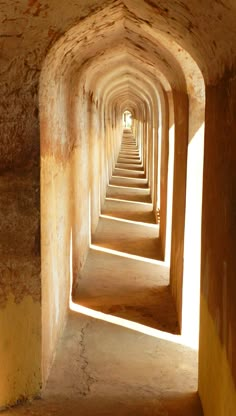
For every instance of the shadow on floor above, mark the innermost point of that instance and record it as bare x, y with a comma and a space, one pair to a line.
124, 211
133, 239
122, 195
186, 404
128, 173
151, 307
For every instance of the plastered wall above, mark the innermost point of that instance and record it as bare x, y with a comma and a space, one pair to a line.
179, 197
72, 137
20, 297
217, 363
164, 172
162, 41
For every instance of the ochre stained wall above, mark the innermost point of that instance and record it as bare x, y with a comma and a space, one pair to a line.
20, 295
217, 357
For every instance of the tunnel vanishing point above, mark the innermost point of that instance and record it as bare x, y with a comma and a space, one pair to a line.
118, 207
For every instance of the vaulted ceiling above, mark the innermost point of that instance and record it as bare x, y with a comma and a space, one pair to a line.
163, 43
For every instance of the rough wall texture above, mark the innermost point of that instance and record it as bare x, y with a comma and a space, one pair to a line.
56, 245
218, 286
20, 292
160, 38
193, 218
20, 350
164, 173
179, 197
65, 211
70, 176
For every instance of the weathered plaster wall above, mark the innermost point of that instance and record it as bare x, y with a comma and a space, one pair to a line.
160, 39
20, 307
56, 225
164, 171
82, 178
193, 219
181, 107
95, 171
20, 326
56, 214
66, 184
20, 292
150, 140
171, 150
217, 365
71, 139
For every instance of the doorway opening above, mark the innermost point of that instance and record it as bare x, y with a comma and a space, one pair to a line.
127, 120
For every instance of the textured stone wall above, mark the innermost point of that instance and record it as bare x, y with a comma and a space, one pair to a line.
113, 43
20, 289
217, 366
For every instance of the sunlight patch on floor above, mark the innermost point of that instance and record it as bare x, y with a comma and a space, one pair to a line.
131, 170
125, 323
146, 330
126, 255
128, 187
145, 224
127, 200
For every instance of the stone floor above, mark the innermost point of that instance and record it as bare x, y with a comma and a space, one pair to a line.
121, 354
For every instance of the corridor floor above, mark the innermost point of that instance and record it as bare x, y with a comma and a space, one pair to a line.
121, 354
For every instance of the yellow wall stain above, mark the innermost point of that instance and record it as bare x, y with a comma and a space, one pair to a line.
20, 350
216, 386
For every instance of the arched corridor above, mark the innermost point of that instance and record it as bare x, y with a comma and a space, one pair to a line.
122, 322
117, 163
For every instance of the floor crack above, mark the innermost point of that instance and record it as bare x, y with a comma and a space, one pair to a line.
88, 380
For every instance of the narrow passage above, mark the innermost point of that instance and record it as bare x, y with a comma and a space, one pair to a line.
120, 354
